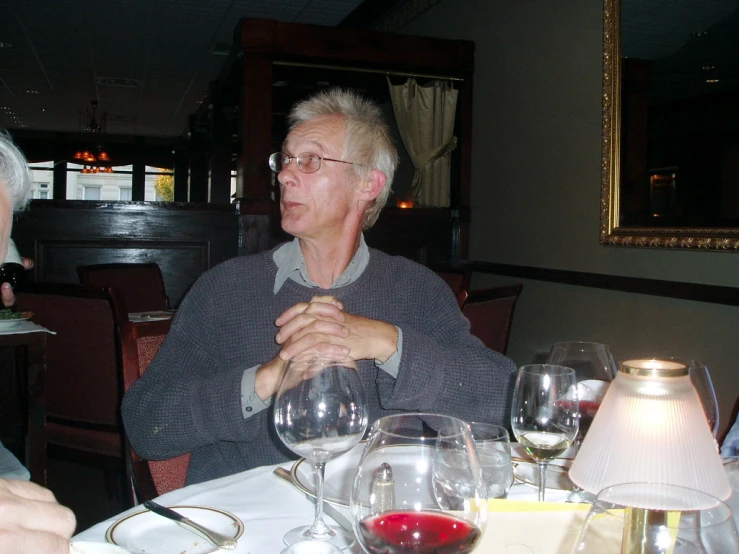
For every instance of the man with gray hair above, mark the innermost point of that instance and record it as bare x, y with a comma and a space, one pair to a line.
324, 293
30, 518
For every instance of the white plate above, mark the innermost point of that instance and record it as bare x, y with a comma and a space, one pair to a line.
148, 533
339, 476
153, 316
557, 477
10, 323
86, 547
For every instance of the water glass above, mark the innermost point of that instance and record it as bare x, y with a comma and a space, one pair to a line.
494, 453
656, 518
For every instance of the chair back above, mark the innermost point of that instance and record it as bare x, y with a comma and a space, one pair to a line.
83, 380
140, 284
490, 312
140, 342
458, 279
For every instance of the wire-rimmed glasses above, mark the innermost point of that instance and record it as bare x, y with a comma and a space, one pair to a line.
307, 162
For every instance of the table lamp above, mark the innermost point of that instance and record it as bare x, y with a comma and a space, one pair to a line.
651, 428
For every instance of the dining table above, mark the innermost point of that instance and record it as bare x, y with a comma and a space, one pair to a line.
269, 507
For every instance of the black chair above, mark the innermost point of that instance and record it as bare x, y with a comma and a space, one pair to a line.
83, 379
140, 284
490, 312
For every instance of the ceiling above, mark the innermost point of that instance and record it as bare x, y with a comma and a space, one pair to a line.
146, 62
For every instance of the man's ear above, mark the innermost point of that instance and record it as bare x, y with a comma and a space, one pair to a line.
371, 188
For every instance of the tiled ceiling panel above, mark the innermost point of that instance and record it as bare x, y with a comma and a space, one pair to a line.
57, 51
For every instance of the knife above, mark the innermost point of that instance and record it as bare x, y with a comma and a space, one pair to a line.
213, 537
328, 509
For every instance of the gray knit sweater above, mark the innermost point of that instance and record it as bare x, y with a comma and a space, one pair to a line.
189, 399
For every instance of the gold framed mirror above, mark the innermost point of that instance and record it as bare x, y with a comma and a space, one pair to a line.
655, 191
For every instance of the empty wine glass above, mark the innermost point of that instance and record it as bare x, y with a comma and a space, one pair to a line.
544, 413
652, 518
701, 379
419, 487
320, 414
595, 368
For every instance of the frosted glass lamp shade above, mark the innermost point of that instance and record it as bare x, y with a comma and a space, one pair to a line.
651, 428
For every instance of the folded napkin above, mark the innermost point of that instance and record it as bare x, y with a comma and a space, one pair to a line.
24, 327
521, 527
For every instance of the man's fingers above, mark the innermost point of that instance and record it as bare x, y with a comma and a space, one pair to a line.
314, 344
331, 308
25, 489
33, 541
36, 515
7, 294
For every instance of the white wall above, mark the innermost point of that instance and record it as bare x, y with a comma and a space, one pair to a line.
536, 191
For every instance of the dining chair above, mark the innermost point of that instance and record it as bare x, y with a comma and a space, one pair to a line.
458, 279
490, 312
83, 378
140, 284
140, 342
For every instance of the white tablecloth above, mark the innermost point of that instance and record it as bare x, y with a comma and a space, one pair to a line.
268, 506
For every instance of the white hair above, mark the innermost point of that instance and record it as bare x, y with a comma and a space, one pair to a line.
368, 142
14, 172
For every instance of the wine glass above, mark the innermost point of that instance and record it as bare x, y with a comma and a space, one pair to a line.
544, 413
653, 518
594, 368
404, 499
701, 379
320, 413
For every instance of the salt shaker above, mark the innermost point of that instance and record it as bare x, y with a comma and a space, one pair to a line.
383, 489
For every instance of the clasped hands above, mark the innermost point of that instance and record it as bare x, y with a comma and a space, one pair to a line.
324, 328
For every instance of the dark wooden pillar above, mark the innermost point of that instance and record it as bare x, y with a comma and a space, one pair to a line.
254, 183
220, 148
181, 173
198, 163
60, 180
138, 181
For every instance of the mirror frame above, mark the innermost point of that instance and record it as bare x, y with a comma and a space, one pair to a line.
611, 233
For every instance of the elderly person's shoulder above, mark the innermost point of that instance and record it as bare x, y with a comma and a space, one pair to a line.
403, 267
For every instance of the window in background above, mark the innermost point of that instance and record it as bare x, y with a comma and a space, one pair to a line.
42, 174
159, 184
124, 194
91, 193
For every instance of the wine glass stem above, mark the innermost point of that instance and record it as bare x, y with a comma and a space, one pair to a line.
542, 479
319, 529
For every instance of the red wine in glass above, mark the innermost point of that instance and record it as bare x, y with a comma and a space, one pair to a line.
410, 532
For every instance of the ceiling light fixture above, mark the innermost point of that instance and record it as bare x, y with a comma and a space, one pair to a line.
92, 156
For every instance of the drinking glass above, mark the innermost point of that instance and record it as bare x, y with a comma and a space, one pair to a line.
493, 445
594, 368
320, 413
701, 379
406, 500
653, 518
544, 413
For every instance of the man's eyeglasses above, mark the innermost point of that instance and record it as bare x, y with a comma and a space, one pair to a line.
307, 162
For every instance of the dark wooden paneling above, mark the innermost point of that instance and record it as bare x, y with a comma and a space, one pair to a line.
636, 285
421, 234
184, 239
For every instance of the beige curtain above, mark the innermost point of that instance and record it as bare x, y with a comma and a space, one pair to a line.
425, 116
